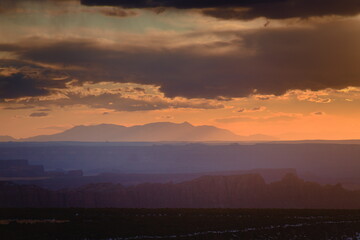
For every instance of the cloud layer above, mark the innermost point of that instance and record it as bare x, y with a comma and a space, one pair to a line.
267, 61
246, 9
20, 79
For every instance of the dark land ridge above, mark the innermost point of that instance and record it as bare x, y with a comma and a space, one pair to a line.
234, 191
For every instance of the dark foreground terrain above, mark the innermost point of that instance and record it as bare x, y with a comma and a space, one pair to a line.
178, 224
234, 191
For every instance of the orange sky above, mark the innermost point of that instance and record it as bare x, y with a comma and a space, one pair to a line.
64, 64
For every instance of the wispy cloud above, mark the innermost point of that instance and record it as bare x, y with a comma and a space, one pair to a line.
38, 114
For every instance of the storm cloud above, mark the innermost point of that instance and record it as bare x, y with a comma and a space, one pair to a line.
19, 79
19, 85
322, 56
246, 9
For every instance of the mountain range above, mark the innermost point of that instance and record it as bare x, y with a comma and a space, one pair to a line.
152, 132
7, 139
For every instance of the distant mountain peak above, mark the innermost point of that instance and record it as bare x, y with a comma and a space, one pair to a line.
186, 123
6, 139
151, 132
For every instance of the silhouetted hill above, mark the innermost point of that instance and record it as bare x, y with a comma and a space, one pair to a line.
160, 131
236, 191
7, 139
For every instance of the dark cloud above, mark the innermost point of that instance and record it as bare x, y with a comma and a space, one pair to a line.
139, 89
59, 7
182, 4
267, 61
28, 80
19, 85
38, 114
255, 109
246, 9
288, 9
18, 108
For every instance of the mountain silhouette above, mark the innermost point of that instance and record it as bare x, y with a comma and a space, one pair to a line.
6, 139
159, 131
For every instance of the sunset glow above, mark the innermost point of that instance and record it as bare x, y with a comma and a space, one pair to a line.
68, 63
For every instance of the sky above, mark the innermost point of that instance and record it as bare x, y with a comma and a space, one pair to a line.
285, 68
